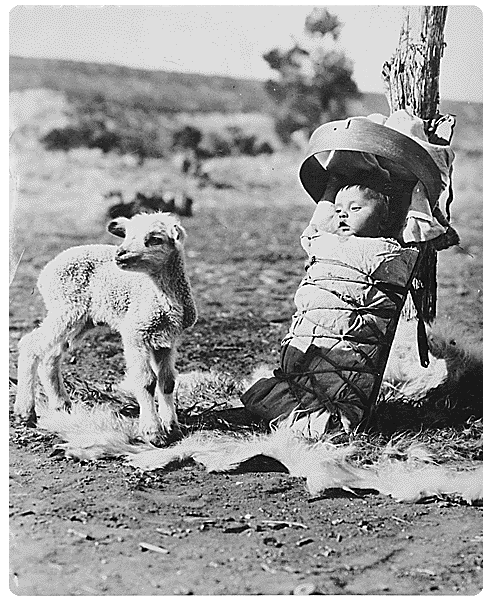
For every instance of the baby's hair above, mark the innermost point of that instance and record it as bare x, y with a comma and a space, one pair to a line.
371, 194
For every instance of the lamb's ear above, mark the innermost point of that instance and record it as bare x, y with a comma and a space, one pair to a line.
178, 234
118, 227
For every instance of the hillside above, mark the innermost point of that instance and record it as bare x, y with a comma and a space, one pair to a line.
172, 92
164, 91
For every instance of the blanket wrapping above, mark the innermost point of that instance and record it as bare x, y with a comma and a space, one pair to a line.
334, 355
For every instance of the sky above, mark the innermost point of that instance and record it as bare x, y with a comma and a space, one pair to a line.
230, 40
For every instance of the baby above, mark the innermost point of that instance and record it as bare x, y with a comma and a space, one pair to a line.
335, 350
360, 211
353, 211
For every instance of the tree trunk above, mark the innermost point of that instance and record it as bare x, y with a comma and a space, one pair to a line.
412, 81
412, 74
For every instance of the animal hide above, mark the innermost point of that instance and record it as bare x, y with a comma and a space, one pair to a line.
95, 433
98, 432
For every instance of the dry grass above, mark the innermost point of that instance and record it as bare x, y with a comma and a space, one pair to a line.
459, 448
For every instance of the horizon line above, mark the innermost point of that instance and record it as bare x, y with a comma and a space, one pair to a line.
204, 74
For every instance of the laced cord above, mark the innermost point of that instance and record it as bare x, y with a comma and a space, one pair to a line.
335, 353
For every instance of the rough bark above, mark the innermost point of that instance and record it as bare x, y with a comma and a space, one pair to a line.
412, 74
412, 83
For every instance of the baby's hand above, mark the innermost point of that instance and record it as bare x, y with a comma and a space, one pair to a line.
322, 217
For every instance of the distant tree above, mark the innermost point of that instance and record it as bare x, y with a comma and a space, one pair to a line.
313, 86
187, 138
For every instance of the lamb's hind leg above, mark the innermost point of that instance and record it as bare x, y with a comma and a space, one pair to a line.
29, 357
41, 347
49, 372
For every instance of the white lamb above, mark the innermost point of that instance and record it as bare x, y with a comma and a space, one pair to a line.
139, 289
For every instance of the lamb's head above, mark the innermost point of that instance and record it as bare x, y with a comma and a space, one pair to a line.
150, 241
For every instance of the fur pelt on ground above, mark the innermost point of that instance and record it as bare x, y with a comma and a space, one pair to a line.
452, 381
446, 393
96, 433
324, 465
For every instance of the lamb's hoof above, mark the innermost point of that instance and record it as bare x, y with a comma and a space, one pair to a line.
174, 434
66, 406
162, 436
27, 418
153, 435
159, 440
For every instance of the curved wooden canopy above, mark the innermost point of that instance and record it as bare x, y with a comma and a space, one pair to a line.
362, 135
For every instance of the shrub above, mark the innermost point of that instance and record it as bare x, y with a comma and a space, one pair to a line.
187, 138
110, 127
234, 142
140, 130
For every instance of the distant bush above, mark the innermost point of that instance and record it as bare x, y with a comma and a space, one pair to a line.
110, 127
187, 138
139, 130
234, 142
229, 141
92, 135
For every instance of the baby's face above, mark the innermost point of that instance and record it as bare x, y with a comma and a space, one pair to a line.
356, 215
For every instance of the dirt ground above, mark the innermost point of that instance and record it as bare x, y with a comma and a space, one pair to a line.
91, 528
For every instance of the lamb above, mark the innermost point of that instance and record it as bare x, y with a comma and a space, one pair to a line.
141, 290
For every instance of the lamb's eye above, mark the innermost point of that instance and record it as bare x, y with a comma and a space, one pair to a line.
355, 208
154, 240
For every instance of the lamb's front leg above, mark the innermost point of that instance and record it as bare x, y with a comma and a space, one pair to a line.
163, 364
141, 381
